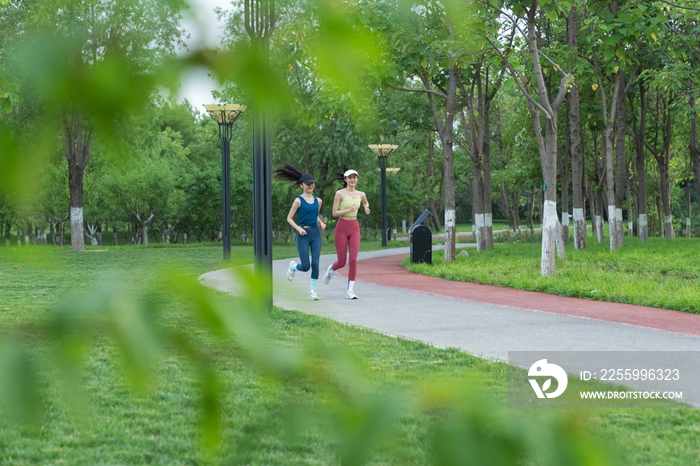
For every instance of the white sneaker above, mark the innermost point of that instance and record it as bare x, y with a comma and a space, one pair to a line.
313, 296
328, 275
291, 271
351, 295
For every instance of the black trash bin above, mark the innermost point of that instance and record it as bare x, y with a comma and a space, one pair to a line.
421, 241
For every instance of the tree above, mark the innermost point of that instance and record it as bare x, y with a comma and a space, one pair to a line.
56, 199
577, 172
547, 107
88, 41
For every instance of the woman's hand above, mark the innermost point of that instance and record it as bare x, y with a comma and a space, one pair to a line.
301, 231
353, 208
367, 210
323, 225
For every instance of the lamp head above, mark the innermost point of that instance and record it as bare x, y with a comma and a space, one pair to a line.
383, 150
225, 114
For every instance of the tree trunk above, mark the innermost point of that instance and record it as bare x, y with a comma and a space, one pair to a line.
564, 171
549, 219
663, 160
592, 205
577, 173
531, 211
430, 175
620, 162
540, 207
639, 135
687, 215
664, 181
694, 152
115, 235
610, 183
600, 217
660, 215
445, 130
477, 205
630, 227
77, 145
487, 204
561, 250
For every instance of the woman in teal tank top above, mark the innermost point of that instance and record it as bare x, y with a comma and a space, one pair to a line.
307, 208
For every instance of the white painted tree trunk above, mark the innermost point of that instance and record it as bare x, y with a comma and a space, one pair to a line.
549, 227
565, 225
620, 228
559, 237
668, 223
612, 227
480, 232
579, 229
42, 237
488, 225
687, 227
184, 238
91, 233
7, 242
403, 227
450, 227
26, 239
600, 225
76, 229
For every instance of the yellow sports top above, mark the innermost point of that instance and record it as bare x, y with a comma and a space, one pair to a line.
347, 202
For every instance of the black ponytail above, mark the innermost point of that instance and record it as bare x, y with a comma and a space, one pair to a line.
288, 173
341, 176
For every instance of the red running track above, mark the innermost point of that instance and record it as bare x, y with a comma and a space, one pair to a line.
387, 271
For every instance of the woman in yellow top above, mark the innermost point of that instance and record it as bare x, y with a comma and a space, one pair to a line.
347, 232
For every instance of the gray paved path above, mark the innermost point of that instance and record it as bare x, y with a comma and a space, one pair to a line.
481, 329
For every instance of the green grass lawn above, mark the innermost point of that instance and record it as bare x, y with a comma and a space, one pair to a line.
659, 273
162, 424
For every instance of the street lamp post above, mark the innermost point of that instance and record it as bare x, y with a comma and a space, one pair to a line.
383, 151
226, 116
259, 23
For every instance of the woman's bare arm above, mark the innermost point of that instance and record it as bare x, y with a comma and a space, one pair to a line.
365, 202
290, 216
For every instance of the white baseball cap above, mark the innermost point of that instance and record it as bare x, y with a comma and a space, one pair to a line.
350, 172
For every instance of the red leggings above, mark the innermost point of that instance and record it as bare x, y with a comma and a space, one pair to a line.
347, 233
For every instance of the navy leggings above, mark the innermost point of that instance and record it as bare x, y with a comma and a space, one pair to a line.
311, 240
